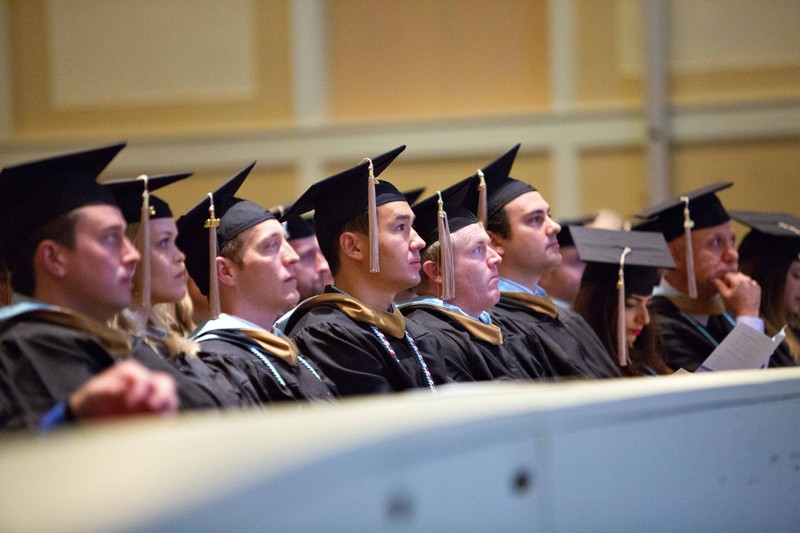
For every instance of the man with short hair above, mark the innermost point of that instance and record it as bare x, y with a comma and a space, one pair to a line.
71, 268
460, 330
697, 306
353, 331
524, 235
254, 282
311, 269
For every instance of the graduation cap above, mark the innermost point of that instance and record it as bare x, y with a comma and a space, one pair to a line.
771, 235
412, 195
295, 227
628, 259
498, 188
205, 228
698, 209
35, 193
564, 236
130, 195
437, 217
139, 206
340, 198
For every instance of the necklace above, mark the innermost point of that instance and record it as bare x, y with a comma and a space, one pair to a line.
385, 342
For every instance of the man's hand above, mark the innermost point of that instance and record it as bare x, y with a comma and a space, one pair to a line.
741, 294
127, 388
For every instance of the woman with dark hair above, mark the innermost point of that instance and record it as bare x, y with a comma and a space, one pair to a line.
622, 267
770, 254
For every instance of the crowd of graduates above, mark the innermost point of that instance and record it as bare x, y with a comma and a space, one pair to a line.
114, 306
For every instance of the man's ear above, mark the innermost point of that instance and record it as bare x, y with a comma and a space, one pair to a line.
226, 271
353, 245
50, 257
496, 242
432, 270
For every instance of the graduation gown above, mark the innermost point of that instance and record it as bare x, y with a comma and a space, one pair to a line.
49, 352
336, 331
209, 378
471, 350
687, 343
261, 367
569, 345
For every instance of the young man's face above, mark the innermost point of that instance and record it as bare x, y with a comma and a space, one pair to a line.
167, 273
98, 269
399, 246
531, 247
475, 265
714, 256
265, 276
312, 270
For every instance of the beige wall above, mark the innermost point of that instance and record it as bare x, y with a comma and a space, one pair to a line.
207, 86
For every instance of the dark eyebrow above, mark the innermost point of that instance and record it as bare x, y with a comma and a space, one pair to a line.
402, 218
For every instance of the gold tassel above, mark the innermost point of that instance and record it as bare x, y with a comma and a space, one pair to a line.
213, 284
446, 254
622, 330
688, 224
372, 214
483, 210
144, 247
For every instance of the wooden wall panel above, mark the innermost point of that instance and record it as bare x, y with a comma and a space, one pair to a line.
166, 110
400, 60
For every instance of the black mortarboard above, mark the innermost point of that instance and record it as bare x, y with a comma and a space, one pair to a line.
295, 227
128, 194
231, 216
340, 198
500, 188
698, 209
564, 236
705, 210
413, 195
32, 194
298, 228
629, 260
772, 234
437, 217
458, 216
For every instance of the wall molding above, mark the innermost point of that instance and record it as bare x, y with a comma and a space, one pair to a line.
309, 148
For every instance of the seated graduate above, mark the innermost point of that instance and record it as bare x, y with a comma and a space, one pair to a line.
238, 256
622, 267
71, 268
159, 282
563, 282
770, 254
458, 285
353, 331
704, 297
524, 235
311, 269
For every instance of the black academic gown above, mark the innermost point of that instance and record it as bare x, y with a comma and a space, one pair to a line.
209, 378
686, 342
47, 362
466, 357
260, 375
569, 345
352, 355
